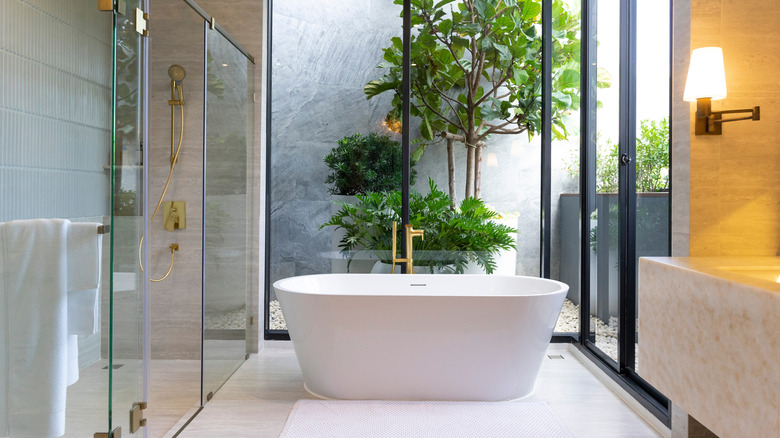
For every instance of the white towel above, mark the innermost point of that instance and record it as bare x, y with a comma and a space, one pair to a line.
34, 292
84, 256
84, 249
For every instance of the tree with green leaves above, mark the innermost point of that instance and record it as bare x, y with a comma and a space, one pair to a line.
476, 72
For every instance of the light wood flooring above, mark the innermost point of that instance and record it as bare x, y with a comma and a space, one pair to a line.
256, 401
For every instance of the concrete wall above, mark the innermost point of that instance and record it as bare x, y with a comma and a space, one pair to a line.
176, 302
322, 56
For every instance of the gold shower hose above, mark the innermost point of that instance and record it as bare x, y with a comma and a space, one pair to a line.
174, 158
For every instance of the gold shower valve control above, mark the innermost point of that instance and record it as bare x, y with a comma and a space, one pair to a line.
174, 215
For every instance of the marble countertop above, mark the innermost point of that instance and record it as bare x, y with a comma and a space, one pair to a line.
709, 331
760, 272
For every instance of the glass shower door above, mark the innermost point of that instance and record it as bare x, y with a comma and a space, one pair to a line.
228, 198
126, 367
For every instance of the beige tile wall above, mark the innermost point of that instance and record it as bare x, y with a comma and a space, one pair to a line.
735, 178
243, 19
176, 302
681, 147
177, 38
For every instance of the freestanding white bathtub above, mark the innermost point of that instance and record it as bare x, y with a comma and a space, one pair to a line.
420, 337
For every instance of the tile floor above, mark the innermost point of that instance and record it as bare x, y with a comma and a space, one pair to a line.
174, 389
257, 399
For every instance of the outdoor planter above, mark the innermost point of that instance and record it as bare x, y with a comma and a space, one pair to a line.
651, 240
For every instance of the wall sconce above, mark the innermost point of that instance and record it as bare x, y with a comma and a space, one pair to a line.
707, 82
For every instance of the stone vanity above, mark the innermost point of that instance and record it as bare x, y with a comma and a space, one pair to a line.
709, 336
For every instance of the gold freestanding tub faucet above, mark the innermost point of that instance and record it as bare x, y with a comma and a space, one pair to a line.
410, 234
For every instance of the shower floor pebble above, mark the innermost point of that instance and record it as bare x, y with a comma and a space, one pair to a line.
235, 319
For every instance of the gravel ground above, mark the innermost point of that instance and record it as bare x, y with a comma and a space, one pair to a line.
568, 322
277, 319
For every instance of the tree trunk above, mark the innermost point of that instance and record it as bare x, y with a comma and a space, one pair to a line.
470, 171
451, 170
471, 162
478, 171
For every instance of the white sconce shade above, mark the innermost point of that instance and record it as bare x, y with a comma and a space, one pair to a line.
492, 160
706, 75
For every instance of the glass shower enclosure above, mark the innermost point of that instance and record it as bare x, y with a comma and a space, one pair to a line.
79, 354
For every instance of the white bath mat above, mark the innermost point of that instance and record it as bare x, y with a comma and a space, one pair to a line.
397, 419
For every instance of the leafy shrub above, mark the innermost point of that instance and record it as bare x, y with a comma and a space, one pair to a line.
452, 237
361, 164
652, 160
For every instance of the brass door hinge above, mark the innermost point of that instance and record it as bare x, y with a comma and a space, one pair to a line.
137, 419
141, 22
108, 5
117, 433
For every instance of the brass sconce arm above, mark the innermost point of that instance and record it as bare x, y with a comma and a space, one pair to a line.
710, 122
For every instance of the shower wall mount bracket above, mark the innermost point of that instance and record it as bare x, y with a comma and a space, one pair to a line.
141, 22
117, 433
108, 5
137, 419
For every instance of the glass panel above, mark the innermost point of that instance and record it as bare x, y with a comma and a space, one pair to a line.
228, 201
125, 366
175, 302
324, 54
652, 144
604, 223
55, 152
565, 168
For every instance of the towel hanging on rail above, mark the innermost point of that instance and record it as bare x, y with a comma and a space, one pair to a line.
34, 335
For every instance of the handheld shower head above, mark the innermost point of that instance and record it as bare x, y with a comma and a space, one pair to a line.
177, 73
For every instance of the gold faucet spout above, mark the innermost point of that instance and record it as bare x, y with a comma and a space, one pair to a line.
410, 234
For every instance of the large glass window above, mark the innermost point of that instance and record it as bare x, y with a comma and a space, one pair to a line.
603, 238
328, 143
476, 132
652, 133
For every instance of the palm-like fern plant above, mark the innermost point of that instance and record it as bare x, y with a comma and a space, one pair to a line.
453, 238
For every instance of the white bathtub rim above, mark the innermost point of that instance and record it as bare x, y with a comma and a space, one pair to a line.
562, 287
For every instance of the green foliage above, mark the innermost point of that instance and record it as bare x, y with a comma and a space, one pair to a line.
652, 160
362, 164
452, 237
476, 67
652, 156
124, 203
